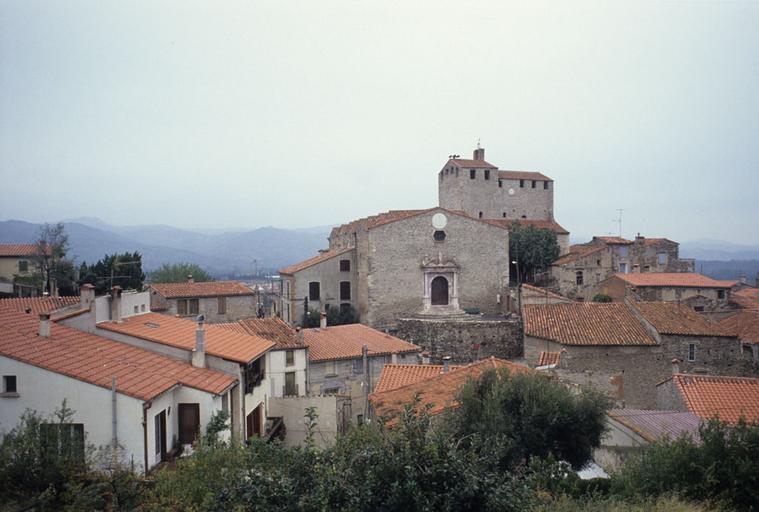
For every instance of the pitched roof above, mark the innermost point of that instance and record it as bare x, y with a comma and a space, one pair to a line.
395, 376
438, 392
539, 224
321, 257
727, 397
747, 298
38, 304
346, 341
523, 175
585, 323
745, 325
202, 289
542, 292
671, 279
611, 240
673, 318
473, 164
576, 252
270, 328
139, 373
180, 333
18, 250
655, 425
549, 358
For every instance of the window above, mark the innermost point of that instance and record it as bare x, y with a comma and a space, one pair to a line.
698, 308
720, 294
329, 368
533, 183
504, 215
623, 250
480, 214
662, 258
487, 174
222, 305
23, 266
598, 263
545, 185
194, 306
647, 268
500, 183
330, 391
578, 277
623, 268
291, 389
360, 419
691, 352
290, 357
521, 183
345, 265
472, 174
9, 385
439, 236
345, 290
182, 307
254, 374
358, 366
314, 290
136, 309
142, 308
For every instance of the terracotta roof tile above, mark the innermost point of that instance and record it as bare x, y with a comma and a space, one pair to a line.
523, 175
321, 257
139, 373
673, 318
271, 328
577, 252
747, 298
538, 291
346, 341
539, 224
616, 240
438, 392
585, 324
745, 325
672, 279
395, 376
472, 164
548, 358
17, 250
38, 304
202, 289
655, 425
180, 332
726, 397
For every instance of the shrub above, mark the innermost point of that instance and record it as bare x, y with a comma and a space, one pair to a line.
601, 297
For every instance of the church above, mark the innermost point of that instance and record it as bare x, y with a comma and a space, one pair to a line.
446, 263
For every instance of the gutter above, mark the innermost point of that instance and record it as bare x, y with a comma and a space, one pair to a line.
145, 407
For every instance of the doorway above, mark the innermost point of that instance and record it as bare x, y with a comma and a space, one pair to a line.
439, 291
189, 423
254, 422
160, 436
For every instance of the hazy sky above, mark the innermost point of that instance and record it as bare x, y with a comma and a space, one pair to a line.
294, 114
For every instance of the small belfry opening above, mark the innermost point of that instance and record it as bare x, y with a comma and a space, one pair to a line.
439, 291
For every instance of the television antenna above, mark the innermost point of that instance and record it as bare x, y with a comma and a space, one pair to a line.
619, 220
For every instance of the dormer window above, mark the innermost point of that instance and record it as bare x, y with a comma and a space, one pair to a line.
472, 174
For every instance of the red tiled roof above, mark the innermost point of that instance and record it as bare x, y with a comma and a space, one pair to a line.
673, 318
439, 392
542, 292
523, 175
180, 333
745, 325
585, 324
472, 164
271, 328
655, 425
38, 304
18, 250
672, 279
203, 289
576, 252
395, 376
345, 342
139, 373
747, 298
324, 256
539, 224
727, 397
611, 240
547, 358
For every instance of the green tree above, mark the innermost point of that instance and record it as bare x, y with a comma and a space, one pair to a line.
178, 272
534, 249
126, 270
342, 315
51, 246
525, 416
601, 297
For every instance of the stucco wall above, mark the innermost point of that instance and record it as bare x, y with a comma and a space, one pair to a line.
276, 368
238, 307
331, 410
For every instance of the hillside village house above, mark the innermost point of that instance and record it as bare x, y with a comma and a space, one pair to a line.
17, 261
707, 396
699, 292
217, 301
624, 349
745, 324
578, 273
121, 395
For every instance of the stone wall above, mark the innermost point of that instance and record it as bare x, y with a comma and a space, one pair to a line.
238, 307
458, 338
668, 398
715, 355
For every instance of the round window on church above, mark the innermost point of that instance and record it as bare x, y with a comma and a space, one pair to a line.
439, 236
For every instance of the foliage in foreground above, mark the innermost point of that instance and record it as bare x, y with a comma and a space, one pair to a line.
178, 272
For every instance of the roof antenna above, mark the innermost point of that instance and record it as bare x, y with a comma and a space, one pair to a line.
478, 143
619, 220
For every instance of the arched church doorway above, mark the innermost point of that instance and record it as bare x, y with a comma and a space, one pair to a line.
439, 291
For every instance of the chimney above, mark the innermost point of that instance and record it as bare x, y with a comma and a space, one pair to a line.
86, 295
446, 364
199, 354
323, 320
116, 304
639, 238
190, 278
44, 325
675, 366
479, 154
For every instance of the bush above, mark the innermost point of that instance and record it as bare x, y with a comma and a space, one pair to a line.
601, 297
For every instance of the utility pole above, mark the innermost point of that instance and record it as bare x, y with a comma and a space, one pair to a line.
619, 220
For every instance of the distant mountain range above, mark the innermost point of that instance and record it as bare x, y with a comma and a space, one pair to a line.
224, 253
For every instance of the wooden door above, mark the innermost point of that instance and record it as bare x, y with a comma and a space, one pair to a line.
440, 291
189, 423
254, 422
160, 435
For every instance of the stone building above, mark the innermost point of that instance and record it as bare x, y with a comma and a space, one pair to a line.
578, 273
218, 301
17, 261
626, 348
707, 396
745, 324
701, 293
